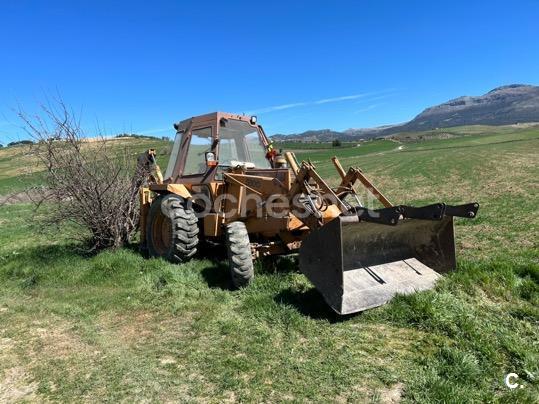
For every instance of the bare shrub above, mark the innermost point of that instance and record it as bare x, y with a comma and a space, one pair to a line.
92, 184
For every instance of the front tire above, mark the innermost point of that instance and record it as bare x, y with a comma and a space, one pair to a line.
172, 229
240, 259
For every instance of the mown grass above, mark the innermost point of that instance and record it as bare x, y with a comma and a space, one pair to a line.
312, 146
116, 326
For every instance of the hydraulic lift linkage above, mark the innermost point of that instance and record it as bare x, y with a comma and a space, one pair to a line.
390, 214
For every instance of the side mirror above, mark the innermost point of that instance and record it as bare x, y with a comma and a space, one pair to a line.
210, 159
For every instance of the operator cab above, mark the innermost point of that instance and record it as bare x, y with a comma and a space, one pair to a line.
209, 145
240, 143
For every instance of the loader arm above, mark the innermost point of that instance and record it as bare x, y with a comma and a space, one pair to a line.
348, 179
310, 189
311, 186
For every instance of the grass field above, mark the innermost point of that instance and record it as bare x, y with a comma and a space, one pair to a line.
116, 326
312, 146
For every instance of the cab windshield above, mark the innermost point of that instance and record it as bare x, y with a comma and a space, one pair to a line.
239, 143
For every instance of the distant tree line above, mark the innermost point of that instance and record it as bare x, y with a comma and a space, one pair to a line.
134, 135
19, 143
131, 135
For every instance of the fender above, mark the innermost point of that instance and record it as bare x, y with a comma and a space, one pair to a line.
178, 189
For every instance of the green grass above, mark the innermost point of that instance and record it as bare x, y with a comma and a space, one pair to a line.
312, 146
458, 131
116, 326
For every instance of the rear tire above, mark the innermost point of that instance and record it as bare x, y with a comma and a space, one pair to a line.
172, 229
240, 259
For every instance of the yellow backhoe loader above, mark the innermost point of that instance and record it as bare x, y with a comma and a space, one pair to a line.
225, 183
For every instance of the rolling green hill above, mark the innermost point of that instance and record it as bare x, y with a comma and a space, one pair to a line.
115, 326
20, 170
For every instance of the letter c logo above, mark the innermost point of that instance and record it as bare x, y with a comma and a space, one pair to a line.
508, 380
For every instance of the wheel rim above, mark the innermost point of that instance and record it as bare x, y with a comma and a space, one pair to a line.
161, 234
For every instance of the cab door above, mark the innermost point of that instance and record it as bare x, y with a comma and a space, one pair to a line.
191, 148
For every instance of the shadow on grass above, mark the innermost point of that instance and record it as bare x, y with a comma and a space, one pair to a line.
30, 265
280, 263
46, 254
217, 276
310, 303
137, 249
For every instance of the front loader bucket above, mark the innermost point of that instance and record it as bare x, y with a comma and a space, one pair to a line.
357, 265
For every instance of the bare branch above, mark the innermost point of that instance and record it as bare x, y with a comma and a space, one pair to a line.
92, 184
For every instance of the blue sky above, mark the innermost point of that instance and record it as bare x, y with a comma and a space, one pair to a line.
140, 66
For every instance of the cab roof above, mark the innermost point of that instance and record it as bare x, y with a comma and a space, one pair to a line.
211, 118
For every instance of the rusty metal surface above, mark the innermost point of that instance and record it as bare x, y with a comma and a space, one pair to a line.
359, 265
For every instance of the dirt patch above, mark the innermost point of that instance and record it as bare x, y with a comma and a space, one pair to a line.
389, 395
26, 359
140, 327
29, 196
58, 341
16, 386
128, 329
392, 394
167, 360
15, 381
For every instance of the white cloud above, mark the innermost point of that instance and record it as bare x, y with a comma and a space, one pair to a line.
368, 108
277, 108
343, 98
318, 102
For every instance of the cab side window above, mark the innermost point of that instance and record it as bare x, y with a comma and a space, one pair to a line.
201, 142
